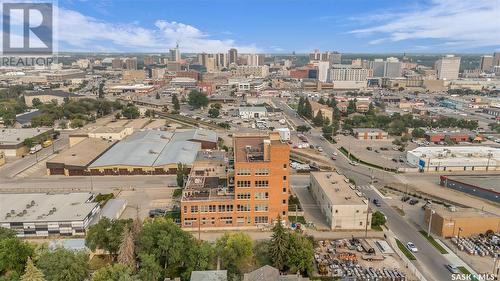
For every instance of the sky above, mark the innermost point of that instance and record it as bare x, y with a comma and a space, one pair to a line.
280, 26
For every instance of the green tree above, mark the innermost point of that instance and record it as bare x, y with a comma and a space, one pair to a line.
224, 125
234, 251
278, 246
351, 107
213, 112
31, 273
29, 142
197, 99
106, 235
303, 129
308, 113
7, 233
150, 268
126, 253
378, 219
77, 123
371, 109
181, 174
63, 264
36, 102
175, 102
115, 272
300, 254
130, 112
149, 113
318, 119
321, 100
300, 106
418, 133
14, 254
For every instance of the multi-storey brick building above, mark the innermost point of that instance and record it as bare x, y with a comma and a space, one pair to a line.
248, 190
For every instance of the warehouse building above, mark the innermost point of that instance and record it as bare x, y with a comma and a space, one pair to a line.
455, 158
75, 160
43, 214
153, 152
463, 222
12, 140
483, 186
370, 134
344, 207
452, 135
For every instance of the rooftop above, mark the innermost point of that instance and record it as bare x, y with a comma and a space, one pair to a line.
43, 207
55, 93
209, 275
339, 192
83, 153
250, 147
482, 181
16, 136
369, 130
151, 148
457, 212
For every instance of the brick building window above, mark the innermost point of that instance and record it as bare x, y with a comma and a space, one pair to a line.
262, 172
262, 183
243, 208
243, 196
261, 219
244, 172
261, 195
243, 184
261, 208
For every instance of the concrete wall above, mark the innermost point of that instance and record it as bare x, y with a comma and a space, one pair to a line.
473, 225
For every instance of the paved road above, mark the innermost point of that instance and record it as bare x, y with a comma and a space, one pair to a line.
429, 261
15, 167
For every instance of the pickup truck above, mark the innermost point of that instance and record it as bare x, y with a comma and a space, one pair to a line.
35, 149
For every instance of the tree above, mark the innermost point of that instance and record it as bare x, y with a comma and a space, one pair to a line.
371, 109
308, 113
118, 115
130, 112
77, 123
149, 113
213, 112
36, 102
351, 107
29, 142
303, 129
300, 106
321, 100
115, 272
300, 256
418, 133
318, 119
158, 96
150, 268
378, 219
63, 264
31, 273
7, 233
126, 254
106, 235
181, 173
14, 254
224, 125
197, 99
175, 102
234, 251
278, 246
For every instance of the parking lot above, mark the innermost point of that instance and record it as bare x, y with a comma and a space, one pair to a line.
380, 152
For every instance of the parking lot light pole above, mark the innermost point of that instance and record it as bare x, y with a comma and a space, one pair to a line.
430, 221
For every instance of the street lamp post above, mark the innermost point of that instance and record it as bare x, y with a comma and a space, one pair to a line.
430, 221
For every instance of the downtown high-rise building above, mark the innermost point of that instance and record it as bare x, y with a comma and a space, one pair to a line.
233, 56
175, 54
332, 57
496, 59
447, 68
486, 63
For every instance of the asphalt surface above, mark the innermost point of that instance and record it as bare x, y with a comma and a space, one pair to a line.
429, 261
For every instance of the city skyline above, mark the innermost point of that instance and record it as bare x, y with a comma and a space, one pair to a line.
439, 26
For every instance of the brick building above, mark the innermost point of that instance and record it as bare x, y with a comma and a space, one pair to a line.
248, 189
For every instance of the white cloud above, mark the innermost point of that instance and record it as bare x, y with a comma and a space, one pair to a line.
462, 24
78, 32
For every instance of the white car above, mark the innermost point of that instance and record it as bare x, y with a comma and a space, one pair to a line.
411, 247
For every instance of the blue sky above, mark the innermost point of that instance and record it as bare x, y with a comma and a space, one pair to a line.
280, 26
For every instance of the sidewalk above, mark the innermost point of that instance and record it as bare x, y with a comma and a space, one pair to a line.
453, 258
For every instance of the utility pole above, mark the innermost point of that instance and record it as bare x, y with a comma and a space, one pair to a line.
366, 222
296, 209
199, 223
430, 221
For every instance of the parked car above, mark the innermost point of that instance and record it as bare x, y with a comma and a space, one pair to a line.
405, 198
156, 212
333, 157
376, 202
413, 201
411, 247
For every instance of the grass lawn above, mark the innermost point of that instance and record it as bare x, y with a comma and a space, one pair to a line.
405, 251
433, 242
300, 219
465, 271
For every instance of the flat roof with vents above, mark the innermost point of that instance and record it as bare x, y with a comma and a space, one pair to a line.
337, 188
43, 207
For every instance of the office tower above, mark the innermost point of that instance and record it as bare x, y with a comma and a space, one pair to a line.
221, 60
332, 57
447, 67
233, 56
496, 59
175, 54
260, 59
392, 68
322, 67
252, 59
378, 67
210, 63
117, 63
486, 63
251, 191
131, 63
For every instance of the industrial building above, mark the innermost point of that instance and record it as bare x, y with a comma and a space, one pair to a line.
246, 191
75, 160
252, 112
343, 206
44, 214
12, 140
452, 135
48, 96
463, 222
455, 158
153, 152
483, 186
